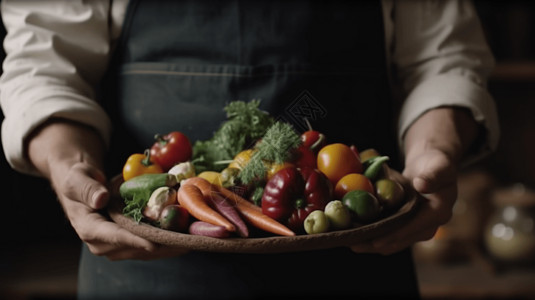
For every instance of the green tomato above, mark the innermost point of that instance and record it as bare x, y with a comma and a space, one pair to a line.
316, 222
389, 193
338, 215
363, 205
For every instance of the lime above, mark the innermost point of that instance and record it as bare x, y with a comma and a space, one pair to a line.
364, 206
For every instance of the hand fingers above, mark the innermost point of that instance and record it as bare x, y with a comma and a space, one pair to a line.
94, 228
105, 238
392, 246
434, 211
82, 191
430, 172
86, 184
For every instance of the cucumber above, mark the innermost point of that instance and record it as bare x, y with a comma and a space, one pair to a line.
136, 192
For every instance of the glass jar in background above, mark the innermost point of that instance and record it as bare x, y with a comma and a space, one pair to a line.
510, 230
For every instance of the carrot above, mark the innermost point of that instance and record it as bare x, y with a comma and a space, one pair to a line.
229, 211
204, 185
208, 229
237, 198
253, 214
225, 206
191, 198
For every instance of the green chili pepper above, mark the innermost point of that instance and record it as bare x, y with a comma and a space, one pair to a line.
374, 166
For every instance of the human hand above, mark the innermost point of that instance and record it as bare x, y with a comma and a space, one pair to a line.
72, 164
433, 175
434, 145
83, 194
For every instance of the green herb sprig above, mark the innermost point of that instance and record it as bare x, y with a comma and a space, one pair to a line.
276, 146
245, 124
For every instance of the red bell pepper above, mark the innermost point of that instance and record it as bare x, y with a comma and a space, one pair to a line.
293, 193
304, 157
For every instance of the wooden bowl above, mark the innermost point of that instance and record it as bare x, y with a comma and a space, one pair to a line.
270, 244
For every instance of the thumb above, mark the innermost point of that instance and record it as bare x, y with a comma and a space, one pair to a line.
86, 183
431, 171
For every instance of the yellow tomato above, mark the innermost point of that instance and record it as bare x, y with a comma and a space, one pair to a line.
213, 177
351, 182
337, 160
241, 159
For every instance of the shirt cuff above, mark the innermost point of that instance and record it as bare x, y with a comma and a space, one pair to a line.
22, 120
458, 91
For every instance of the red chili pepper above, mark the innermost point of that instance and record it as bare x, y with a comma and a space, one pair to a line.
313, 140
305, 157
170, 149
292, 194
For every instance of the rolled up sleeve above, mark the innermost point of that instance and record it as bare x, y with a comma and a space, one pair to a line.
56, 53
442, 59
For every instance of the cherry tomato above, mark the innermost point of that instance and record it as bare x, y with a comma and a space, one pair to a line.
351, 182
138, 164
170, 149
337, 160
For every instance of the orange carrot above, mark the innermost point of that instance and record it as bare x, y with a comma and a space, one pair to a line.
237, 198
225, 206
192, 199
253, 214
204, 185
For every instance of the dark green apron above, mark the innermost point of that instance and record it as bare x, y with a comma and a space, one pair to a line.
180, 62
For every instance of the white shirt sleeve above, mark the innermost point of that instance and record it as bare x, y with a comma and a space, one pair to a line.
56, 53
58, 50
442, 59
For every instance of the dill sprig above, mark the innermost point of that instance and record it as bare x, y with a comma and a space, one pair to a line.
276, 146
245, 124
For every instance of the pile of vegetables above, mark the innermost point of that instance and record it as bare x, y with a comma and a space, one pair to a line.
257, 173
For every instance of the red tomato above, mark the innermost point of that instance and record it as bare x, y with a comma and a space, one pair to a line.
170, 149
